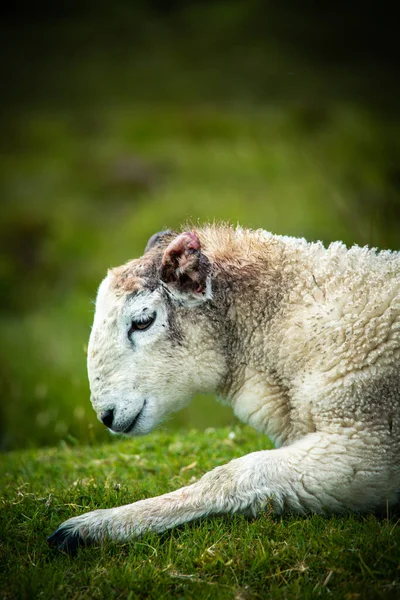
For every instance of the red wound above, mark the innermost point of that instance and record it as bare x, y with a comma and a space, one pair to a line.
184, 242
183, 264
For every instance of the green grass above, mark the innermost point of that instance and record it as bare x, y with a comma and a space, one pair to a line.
347, 557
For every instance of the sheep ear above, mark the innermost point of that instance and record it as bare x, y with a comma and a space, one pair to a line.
185, 268
162, 237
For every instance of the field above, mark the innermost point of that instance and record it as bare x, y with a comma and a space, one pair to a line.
118, 123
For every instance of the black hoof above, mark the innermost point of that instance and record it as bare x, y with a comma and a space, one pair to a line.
66, 541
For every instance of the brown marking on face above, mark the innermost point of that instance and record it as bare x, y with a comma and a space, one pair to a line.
124, 280
144, 272
136, 274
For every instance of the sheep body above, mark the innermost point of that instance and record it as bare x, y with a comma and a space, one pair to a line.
304, 343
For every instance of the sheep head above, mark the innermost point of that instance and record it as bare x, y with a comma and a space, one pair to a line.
155, 339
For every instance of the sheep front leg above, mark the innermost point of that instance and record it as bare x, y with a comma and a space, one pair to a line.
314, 474
231, 488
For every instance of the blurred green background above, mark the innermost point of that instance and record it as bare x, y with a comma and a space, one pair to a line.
121, 119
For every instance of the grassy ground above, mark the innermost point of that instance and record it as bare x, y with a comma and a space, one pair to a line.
347, 557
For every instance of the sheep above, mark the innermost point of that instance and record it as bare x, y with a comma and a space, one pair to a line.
301, 340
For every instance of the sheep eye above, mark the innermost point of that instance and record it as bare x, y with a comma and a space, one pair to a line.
141, 324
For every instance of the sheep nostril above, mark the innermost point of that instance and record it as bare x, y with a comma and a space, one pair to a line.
107, 417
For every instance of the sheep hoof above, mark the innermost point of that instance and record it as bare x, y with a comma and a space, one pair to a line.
66, 541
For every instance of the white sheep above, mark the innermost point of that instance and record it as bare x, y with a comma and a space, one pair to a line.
302, 341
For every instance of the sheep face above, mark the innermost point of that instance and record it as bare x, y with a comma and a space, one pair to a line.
154, 338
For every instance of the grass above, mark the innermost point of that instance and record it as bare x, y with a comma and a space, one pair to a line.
347, 557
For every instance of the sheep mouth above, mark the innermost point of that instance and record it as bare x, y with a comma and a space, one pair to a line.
133, 423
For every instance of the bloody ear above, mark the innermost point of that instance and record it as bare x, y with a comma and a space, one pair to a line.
184, 266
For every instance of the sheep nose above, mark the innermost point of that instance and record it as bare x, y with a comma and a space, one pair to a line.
107, 417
